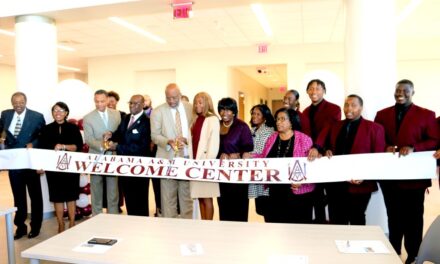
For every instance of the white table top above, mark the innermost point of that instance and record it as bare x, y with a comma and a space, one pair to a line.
7, 210
158, 240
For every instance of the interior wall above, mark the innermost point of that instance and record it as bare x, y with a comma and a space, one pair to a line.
152, 84
275, 94
424, 74
205, 70
7, 85
252, 90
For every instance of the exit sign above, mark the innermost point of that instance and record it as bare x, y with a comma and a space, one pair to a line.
182, 10
262, 48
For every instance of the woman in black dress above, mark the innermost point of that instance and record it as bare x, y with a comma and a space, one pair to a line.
63, 187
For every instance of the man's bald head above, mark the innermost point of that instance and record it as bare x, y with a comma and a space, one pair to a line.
172, 94
136, 104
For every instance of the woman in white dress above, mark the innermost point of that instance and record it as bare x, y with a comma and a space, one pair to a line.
204, 144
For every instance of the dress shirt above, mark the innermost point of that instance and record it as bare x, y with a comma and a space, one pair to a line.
104, 116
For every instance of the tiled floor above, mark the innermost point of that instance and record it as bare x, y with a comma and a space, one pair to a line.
432, 209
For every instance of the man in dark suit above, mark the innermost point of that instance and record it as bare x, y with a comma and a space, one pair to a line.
132, 138
408, 128
322, 115
22, 127
348, 201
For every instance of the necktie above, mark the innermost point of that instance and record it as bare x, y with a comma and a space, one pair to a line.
348, 129
179, 132
17, 127
131, 121
178, 124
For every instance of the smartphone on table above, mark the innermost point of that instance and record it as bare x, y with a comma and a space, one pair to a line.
102, 241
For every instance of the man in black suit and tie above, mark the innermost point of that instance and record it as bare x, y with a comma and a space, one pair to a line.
132, 138
22, 127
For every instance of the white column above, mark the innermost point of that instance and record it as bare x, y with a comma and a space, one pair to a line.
36, 60
370, 68
370, 53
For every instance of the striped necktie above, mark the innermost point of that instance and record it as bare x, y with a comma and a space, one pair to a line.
17, 128
179, 152
178, 124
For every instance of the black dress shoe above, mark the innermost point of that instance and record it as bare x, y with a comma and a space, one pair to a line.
19, 234
33, 234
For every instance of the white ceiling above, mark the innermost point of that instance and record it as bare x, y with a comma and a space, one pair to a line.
216, 24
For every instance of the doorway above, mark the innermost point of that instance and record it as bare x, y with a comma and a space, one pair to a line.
241, 106
276, 104
255, 84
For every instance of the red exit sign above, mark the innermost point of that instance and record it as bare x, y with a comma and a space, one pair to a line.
182, 10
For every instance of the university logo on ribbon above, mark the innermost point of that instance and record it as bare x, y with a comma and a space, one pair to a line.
63, 162
297, 172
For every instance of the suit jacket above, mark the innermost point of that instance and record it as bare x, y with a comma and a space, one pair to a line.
305, 124
164, 129
370, 138
418, 129
209, 140
438, 130
94, 128
134, 140
326, 115
30, 130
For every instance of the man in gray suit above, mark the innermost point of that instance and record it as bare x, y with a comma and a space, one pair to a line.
96, 124
22, 127
169, 131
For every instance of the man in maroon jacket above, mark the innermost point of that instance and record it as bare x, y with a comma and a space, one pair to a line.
322, 115
408, 128
348, 201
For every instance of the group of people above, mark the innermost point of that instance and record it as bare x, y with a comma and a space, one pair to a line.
180, 129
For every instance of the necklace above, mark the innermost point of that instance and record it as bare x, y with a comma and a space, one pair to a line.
223, 123
285, 150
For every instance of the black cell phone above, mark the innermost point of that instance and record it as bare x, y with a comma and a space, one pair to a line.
102, 241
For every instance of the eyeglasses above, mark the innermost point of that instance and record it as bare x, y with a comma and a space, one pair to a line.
281, 119
133, 103
58, 110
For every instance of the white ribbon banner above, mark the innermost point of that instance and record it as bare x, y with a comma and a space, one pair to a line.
378, 166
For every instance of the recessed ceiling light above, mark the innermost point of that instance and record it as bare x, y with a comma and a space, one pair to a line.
69, 68
261, 16
137, 29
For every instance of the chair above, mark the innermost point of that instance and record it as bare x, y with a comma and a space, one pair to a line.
430, 248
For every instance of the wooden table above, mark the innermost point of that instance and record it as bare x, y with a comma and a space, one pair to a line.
7, 212
159, 240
